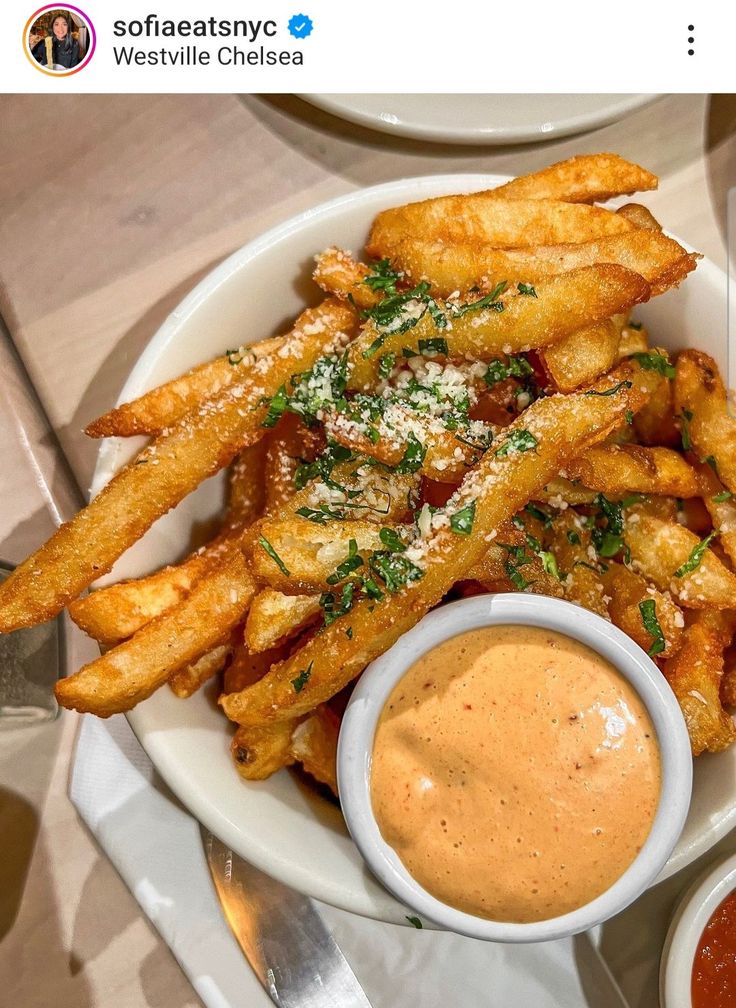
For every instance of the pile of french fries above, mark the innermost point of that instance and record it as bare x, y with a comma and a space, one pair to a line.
472, 409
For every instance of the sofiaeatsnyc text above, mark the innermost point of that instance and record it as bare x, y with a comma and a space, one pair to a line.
190, 55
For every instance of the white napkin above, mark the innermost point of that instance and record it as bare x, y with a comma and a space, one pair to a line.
156, 847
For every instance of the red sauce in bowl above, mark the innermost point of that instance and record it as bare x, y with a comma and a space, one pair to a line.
714, 966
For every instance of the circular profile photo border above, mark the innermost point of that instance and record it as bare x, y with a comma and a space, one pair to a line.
59, 7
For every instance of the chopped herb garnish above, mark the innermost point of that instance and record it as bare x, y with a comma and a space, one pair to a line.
276, 408
321, 515
611, 391
696, 556
549, 562
333, 606
489, 301
349, 633
262, 541
235, 357
393, 569
302, 679
391, 540
724, 495
461, 522
648, 611
322, 468
515, 576
386, 365
351, 563
654, 361
629, 417
517, 441
685, 418
710, 460
596, 570
527, 289
539, 514
415, 922
573, 537
437, 345
382, 277
513, 367
413, 457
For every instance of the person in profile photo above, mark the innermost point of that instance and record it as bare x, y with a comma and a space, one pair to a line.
59, 50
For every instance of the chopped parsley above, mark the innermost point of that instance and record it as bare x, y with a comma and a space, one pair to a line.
302, 679
696, 556
629, 417
513, 367
386, 365
391, 540
351, 563
685, 418
648, 611
540, 514
527, 289
437, 345
490, 301
276, 407
573, 537
654, 361
321, 515
461, 522
235, 357
610, 391
382, 278
349, 633
517, 441
415, 922
413, 457
393, 569
710, 460
334, 606
387, 314
262, 541
609, 540
724, 495
322, 468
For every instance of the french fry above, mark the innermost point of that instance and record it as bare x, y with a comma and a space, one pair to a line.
173, 465
296, 556
247, 667
587, 178
578, 359
246, 493
274, 617
617, 470
640, 216
497, 488
728, 680
562, 493
703, 413
721, 506
132, 671
248, 366
259, 751
674, 559
488, 219
694, 674
452, 266
633, 339
314, 745
569, 540
562, 305
626, 591
337, 273
188, 680
655, 422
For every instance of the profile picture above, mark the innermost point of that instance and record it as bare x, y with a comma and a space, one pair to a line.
59, 40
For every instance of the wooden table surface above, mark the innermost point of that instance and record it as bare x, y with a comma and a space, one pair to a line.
99, 242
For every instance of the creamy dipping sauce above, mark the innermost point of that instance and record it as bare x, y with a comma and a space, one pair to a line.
515, 773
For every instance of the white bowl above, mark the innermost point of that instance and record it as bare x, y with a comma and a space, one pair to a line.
693, 913
374, 688
279, 826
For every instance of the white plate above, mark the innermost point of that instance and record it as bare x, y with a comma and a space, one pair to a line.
278, 825
480, 118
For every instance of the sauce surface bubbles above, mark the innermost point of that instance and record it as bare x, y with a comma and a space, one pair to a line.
515, 772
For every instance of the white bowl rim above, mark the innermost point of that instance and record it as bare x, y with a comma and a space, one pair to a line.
199, 803
515, 608
693, 912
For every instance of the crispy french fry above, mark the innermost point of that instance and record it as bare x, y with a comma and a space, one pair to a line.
173, 465
633, 339
721, 506
703, 412
581, 357
337, 273
640, 216
290, 444
248, 366
694, 674
188, 680
132, 671
620, 469
246, 494
274, 617
562, 305
259, 751
297, 556
500, 485
661, 549
491, 220
314, 745
655, 422
728, 680
569, 540
452, 266
246, 667
626, 591
587, 178
562, 493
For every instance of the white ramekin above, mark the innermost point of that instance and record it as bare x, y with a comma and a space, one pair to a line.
373, 689
692, 914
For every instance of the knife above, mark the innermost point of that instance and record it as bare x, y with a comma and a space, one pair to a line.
283, 937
